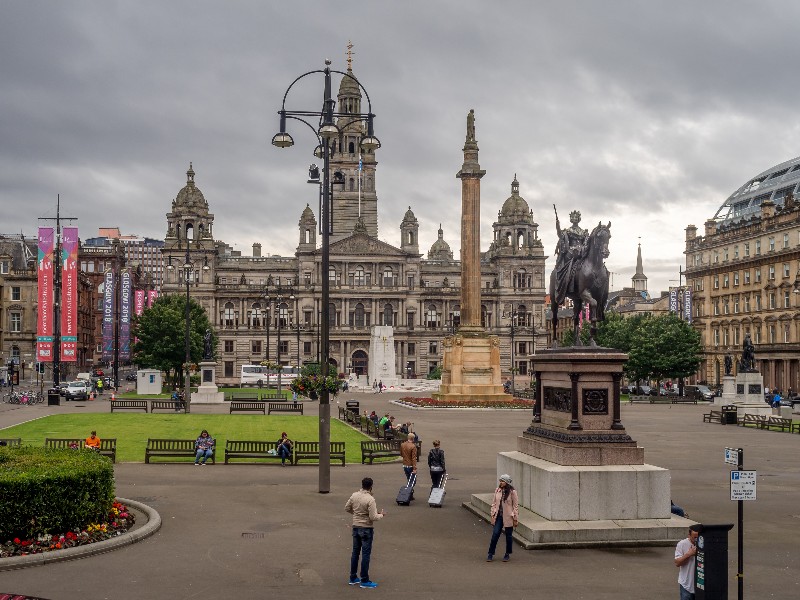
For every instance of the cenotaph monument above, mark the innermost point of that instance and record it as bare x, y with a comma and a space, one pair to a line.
581, 478
382, 355
471, 357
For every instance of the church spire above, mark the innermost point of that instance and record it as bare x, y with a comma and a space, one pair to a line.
639, 280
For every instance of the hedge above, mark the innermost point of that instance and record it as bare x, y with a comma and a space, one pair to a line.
44, 491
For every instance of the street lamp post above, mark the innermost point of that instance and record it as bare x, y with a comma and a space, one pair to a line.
513, 316
325, 132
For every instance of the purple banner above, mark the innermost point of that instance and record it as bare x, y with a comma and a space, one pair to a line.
44, 328
687, 305
69, 294
125, 316
108, 316
673, 300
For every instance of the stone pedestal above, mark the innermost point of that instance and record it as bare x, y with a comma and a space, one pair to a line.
581, 479
382, 358
471, 368
746, 393
208, 392
728, 390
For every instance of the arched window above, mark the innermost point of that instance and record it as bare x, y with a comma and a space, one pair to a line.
431, 317
351, 148
388, 277
486, 318
200, 231
283, 314
15, 355
228, 316
410, 237
308, 236
189, 231
520, 239
358, 315
256, 315
178, 231
351, 186
522, 316
388, 315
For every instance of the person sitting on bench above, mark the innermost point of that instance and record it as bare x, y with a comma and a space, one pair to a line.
204, 448
92, 442
285, 448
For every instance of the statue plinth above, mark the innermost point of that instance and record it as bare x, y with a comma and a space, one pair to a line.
208, 392
471, 368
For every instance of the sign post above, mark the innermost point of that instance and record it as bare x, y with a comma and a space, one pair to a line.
743, 487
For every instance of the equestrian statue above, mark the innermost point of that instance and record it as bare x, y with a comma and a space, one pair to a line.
580, 274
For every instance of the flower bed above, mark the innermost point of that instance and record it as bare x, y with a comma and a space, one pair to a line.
432, 403
118, 521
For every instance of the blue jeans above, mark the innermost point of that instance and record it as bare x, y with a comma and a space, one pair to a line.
204, 454
408, 471
362, 544
498, 529
685, 594
284, 452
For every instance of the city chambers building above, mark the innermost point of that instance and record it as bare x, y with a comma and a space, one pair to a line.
268, 307
744, 273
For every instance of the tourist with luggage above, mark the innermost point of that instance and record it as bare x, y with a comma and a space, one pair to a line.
408, 452
365, 512
436, 464
504, 515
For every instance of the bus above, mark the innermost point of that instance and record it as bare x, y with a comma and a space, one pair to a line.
262, 377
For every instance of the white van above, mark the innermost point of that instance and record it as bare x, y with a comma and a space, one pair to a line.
84, 376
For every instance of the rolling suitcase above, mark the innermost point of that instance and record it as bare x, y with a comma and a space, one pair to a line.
406, 493
436, 499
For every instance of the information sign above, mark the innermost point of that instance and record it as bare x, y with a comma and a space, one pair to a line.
731, 456
743, 485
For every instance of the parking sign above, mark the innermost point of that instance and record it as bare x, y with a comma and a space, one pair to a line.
743, 485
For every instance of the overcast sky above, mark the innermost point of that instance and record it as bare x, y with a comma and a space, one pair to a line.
647, 114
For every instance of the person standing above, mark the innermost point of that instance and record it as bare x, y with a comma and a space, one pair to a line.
408, 451
685, 559
436, 464
505, 516
365, 512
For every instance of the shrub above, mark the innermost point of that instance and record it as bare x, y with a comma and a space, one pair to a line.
46, 490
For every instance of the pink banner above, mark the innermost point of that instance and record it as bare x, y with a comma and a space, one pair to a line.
69, 294
151, 297
44, 326
138, 302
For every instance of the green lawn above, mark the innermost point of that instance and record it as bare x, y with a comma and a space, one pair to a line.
133, 430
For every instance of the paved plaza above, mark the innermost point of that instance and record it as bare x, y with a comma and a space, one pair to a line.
253, 531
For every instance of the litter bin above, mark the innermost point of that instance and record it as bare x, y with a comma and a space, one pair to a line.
52, 397
730, 414
352, 405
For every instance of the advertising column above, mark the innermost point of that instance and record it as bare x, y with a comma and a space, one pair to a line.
44, 327
69, 294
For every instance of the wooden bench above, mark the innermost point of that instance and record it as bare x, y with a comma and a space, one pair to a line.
640, 398
247, 407
251, 449
749, 419
166, 405
795, 428
108, 446
129, 405
682, 399
779, 423
373, 449
244, 396
311, 450
170, 447
11, 442
294, 407
715, 416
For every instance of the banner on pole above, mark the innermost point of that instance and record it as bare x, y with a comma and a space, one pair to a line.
138, 302
673, 300
69, 294
151, 297
44, 325
125, 315
687, 305
108, 316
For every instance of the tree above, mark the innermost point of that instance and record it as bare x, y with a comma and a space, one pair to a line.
663, 347
160, 333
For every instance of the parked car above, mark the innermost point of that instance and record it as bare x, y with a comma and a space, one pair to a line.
646, 390
77, 390
701, 392
130, 377
665, 391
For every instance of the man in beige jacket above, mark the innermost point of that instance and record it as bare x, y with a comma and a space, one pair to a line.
365, 512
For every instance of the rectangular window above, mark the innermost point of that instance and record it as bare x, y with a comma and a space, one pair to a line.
758, 274
228, 345
410, 320
716, 337
736, 278
716, 307
16, 293
228, 368
255, 347
772, 299
736, 336
412, 348
433, 348
787, 302
725, 280
772, 272
716, 256
725, 306
785, 240
786, 336
758, 303
785, 270
725, 255
736, 252
747, 304
772, 334
736, 305
747, 277
306, 348
757, 335
16, 322
725, 336
758, 247
522, 367
747, 249
771, 244
283, 347
4, 267
716, 282
522, 347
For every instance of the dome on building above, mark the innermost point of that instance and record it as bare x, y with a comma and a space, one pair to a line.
308, 214
440, 250
349, 85
774, 184
190, 197
515, 208
409, 217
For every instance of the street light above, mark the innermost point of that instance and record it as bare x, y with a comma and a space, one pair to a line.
513, 316
325, 132
188, 269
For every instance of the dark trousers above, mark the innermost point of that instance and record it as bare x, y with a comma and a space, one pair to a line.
362, 544
498, 529
436, 478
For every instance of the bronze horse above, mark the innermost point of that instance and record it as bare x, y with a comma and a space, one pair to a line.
588, 286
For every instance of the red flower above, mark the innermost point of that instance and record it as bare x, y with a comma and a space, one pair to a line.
16, 540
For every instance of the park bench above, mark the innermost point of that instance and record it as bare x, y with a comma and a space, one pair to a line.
640, 398
295, 407
373, 449
11, 442
236, 406
311, 450
251, 449
749, 419
172, 448
780, 423
244, 396
166, 405
795, 428
682, 399
129, 405
108, 446
715, 416
274, 396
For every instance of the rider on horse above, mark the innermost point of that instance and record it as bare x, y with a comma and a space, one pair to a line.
571, 249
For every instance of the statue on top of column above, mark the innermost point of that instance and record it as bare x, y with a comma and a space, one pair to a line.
471, 125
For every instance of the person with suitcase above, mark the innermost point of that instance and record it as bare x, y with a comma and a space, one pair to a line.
436, 464
408, 451
365, 512
505, 515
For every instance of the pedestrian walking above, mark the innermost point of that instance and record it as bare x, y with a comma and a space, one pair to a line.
365, 512
436, 464
505, 516
380, 386
408, 451
685, 559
